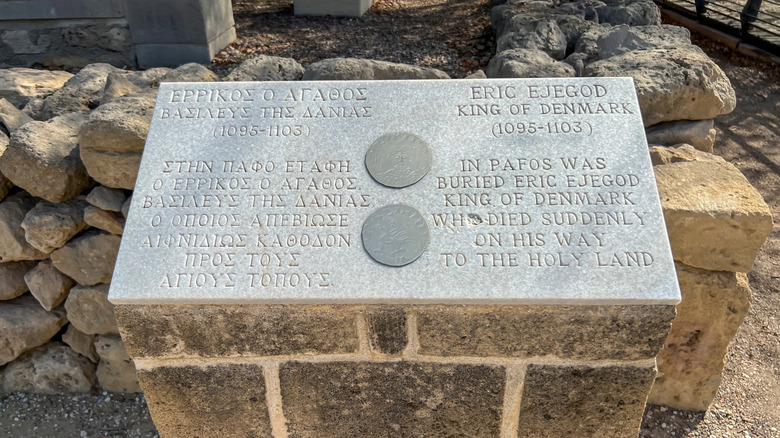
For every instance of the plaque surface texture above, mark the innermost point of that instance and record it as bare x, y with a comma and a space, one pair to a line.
516, 191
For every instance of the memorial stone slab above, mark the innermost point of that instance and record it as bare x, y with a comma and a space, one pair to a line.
446, 232
535, 191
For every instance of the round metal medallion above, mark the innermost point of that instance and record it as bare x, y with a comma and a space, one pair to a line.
395, 235
398, 159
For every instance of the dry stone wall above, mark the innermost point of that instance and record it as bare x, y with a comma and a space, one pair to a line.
70, 146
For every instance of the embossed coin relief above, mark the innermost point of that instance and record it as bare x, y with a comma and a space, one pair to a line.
398, 159
395, 235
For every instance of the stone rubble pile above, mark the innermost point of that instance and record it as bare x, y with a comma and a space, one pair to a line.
70, 148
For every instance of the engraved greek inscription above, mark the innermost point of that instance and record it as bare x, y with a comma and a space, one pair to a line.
277, 112
231, 166
289, 279
215, 259
273, 259
191, 201
304, 241
198, 280
337, 112
232, 183
188, 166
195, 240
300, 220
227, 112
326, 95
267, 201
197, 220
199, 95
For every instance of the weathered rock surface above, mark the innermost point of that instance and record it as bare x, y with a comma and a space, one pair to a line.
43, 158
107, 198
267, 68
684, 153
544, 35
25, 325
623, 39
49, 226
526, 63
34, 109
117, 85
112, 140
12, 282
632, 13
90, 311
48, 285
149, 78
691, 362
82, 92
700, 134
50, 369
11, 118
88, 259
81, 343
116, 370
192, 72
19, 85
716, 220
672, 84
13, 246
110, 221
335, 69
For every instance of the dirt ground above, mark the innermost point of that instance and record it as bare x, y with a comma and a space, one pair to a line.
454, 36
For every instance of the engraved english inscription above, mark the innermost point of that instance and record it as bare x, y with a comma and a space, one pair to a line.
488, 191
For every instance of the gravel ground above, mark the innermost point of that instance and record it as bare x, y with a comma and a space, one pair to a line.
748, 403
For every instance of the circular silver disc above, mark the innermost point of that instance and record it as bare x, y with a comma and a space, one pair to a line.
399, 159
395, 235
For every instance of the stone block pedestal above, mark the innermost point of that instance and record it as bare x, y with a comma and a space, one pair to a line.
346, 8
429, 370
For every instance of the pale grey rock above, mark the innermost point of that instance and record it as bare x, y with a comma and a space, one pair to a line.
623, 39
50, 369
479, 74
149, 78
88, 259
90, 311
117, 85
107, 198
12, 282
24, 325
526, 63
110, 221
126, 206
82, 92
192, 72
116, 370
20, 85
633, 13
81, 343
700, 134
13, 246
112, 140
34, 109
267, 68
684, 153
544, 35
11, 118
49, 226
48, 285
43, 158
367, 69
672, 84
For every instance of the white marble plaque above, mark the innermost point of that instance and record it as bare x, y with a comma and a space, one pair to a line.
535, 191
